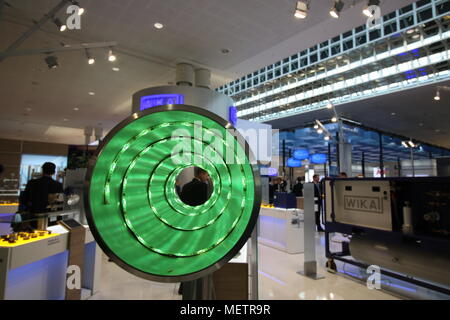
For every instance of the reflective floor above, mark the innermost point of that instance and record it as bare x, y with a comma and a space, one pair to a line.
278, 280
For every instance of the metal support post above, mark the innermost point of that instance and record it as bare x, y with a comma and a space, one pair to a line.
309, 224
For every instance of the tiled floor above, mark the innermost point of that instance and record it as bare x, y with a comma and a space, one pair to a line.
278, 279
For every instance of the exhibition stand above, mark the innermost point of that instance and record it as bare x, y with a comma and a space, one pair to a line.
281, 229
35, 268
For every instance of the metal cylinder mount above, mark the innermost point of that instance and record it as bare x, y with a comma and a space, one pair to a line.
203, 78
184, 75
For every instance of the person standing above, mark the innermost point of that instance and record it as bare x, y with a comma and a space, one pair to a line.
318, 196
298, 187
195, 193
274, 186
36, 197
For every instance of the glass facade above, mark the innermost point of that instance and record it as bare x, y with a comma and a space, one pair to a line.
410, 49
365, 146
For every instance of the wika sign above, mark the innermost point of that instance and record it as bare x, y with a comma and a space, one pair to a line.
367, 204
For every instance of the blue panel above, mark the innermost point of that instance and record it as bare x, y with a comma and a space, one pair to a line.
232, 114
155, 100
41, 280
272, 172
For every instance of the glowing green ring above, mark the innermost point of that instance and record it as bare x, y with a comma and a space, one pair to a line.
104, 184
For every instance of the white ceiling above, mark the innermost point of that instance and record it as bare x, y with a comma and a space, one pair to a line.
256, 32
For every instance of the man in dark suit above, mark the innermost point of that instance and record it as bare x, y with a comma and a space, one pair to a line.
318, 195
35, 198
298, 187
195, 193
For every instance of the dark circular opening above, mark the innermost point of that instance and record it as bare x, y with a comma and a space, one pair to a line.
194, 186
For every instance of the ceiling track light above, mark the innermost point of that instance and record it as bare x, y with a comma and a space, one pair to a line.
52, 62
111, 56
437, 97
367, 11
334, 119
61, 27
335, 11
330, 105
81, 10
301, 9
90, 59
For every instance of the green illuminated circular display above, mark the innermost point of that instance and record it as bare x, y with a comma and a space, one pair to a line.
132, 206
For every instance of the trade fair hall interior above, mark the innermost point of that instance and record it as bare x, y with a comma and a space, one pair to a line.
229, 150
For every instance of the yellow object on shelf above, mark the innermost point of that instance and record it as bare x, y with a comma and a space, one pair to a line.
8, 204
21, 241
271, 206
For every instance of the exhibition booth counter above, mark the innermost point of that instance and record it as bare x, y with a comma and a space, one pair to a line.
281, 229
35, 266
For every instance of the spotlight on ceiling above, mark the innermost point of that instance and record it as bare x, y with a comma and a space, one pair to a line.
111, 56
90, 59
405, 144
327, 138
437, 97
334, 119
319, 131
411, 144
52, 62
335, 12
316, 126
367, 11
329, 105
301, 10
81, 10
61, 27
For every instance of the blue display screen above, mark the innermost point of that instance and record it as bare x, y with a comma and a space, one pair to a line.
294, 163
156, 100
301, 154
318, 158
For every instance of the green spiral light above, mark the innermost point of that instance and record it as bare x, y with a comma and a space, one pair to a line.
135, 213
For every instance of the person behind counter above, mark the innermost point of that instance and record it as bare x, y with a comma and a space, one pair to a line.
274, 186
343, 175
298, 187
35, 198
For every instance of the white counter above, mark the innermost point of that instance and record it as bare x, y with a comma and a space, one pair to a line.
281, 229
37, 270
